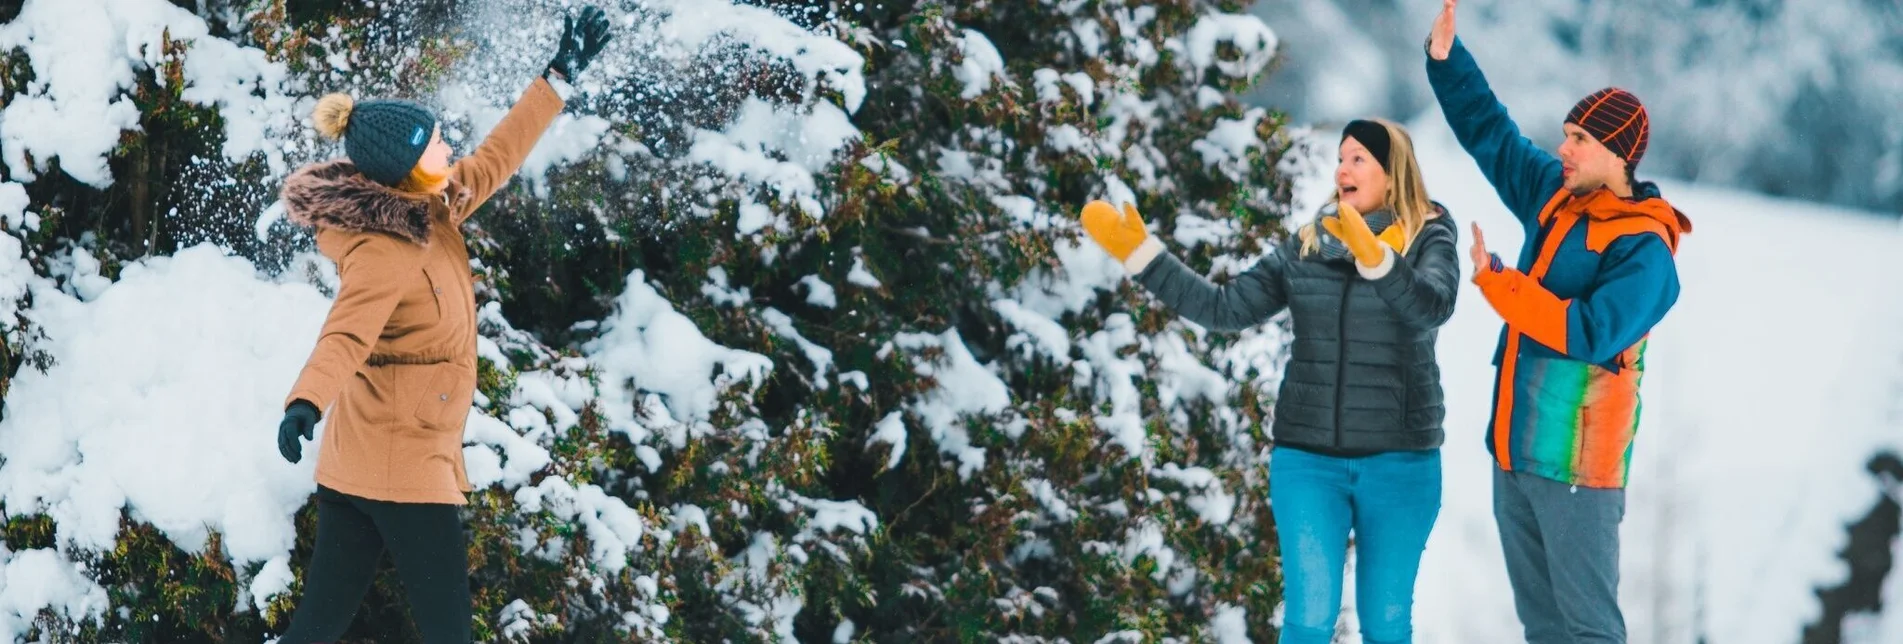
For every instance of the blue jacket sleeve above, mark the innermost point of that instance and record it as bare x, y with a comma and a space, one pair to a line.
1637, 285
1525, 176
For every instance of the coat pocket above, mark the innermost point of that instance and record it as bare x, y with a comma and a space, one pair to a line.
444, 402
373, 397
1548, 399
1609, 421
439, 286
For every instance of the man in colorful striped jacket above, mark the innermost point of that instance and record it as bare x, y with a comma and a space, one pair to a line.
1596, 274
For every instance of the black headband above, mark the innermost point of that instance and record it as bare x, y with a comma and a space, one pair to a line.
1373, 136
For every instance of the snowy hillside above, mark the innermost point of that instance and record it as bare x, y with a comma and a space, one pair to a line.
1769, 387
1786, 98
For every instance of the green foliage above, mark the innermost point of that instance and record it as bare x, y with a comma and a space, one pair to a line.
1067, 530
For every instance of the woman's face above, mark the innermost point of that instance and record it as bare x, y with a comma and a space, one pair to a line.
1359, 180
435, 159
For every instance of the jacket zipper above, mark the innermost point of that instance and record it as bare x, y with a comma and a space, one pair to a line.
1341, 355
1407, 378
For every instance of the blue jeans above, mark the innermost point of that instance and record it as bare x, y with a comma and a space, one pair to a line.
1389, 501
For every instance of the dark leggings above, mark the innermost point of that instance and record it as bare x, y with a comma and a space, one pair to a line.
425, 541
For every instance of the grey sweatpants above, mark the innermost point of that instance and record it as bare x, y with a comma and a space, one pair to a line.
1562, 551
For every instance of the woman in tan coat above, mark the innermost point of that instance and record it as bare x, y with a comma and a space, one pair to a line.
394, 369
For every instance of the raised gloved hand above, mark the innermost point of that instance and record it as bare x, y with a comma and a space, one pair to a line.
1352, 229
582, 40
1485, 263
1118, 233
298, 421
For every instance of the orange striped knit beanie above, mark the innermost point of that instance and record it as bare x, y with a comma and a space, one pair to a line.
1617, 119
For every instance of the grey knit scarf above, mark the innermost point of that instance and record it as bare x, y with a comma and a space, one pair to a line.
1330, 248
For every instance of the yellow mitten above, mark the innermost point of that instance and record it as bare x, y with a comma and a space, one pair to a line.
1353, 231
1118, 233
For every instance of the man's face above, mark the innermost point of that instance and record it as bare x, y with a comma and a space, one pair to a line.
1588, 164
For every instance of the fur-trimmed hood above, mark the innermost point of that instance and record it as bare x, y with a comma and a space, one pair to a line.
335, 194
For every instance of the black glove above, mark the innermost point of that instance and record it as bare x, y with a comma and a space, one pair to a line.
582, 39
298, 421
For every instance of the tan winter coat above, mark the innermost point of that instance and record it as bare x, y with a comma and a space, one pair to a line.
394, 369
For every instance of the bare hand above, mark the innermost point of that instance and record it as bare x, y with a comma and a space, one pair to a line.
1483, 261
1440, 42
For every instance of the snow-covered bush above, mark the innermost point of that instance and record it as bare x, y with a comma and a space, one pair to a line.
788, 332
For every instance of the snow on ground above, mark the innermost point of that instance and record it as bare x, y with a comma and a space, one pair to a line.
1768, 387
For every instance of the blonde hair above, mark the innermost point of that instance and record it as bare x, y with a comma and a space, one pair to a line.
424, 182
1406, 195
